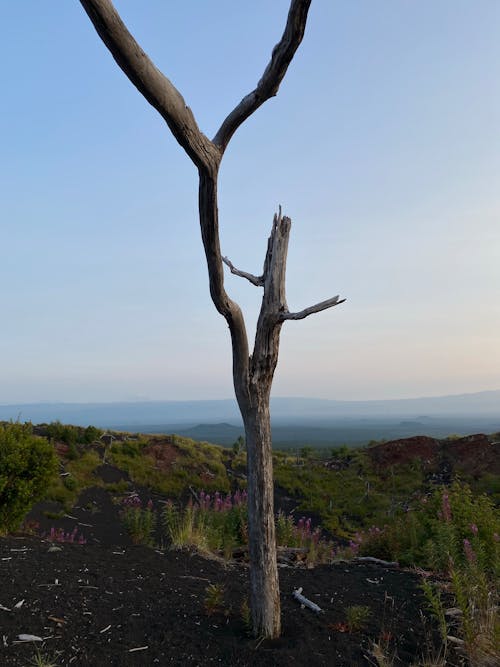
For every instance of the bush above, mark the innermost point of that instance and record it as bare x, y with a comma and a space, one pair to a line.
27, 465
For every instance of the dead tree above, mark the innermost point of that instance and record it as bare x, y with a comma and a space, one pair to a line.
252, 374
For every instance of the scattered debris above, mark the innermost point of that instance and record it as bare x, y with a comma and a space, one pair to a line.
139, 648
29, 638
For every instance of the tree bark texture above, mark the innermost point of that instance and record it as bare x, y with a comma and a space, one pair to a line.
252, 375
264, 582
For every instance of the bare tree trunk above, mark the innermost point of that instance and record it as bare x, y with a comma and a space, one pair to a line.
252, 387
264, 582
252, 375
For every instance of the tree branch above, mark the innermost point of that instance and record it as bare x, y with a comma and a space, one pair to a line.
258, 281
147, 78
317, 308
269, 84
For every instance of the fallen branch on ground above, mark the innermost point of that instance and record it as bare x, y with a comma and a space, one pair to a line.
297, 594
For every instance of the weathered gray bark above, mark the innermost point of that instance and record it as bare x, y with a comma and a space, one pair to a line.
252, 375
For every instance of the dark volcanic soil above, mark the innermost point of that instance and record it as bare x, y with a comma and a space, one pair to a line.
111, 603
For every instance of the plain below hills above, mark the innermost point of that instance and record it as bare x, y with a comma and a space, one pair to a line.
296, 421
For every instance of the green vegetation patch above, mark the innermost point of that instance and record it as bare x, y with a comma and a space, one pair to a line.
196, 464
349, 494
27, 466
80, 475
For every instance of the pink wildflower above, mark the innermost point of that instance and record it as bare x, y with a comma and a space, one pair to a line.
474, 529
469, 552
354, 546
446, 508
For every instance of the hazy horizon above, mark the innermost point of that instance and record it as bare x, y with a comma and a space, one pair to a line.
382, 145
144, 399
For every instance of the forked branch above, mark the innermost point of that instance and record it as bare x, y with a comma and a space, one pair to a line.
317, 308
269, 84
258, 281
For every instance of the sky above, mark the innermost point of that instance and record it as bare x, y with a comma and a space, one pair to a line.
383, 147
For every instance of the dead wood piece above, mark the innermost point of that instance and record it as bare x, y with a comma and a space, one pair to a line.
29, 638
297, 594
378, 561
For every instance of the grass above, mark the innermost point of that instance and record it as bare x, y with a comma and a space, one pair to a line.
81, 473
357, 616
40, 660
198, 465
219, 524
349, 498
214, 599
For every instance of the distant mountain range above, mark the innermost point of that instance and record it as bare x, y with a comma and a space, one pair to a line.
304, 420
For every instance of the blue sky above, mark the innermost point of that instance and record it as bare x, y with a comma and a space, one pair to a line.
382, 146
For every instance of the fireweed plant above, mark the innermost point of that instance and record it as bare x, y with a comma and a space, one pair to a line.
455, 535
219, 523
59, 535
139, 519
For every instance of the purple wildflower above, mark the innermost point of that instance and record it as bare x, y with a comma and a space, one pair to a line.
469, 552
354, 546
446, 508
474, 529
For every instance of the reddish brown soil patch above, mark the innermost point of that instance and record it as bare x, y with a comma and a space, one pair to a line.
474, 454
163, 452
61, 450
406, 450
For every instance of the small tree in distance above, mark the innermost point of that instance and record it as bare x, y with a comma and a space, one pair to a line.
252, 373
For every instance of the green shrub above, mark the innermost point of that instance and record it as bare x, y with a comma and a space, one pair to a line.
27, 465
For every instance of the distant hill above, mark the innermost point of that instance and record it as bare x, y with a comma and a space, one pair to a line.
296, 421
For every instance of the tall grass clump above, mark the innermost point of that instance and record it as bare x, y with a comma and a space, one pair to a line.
219, 523
216, 523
